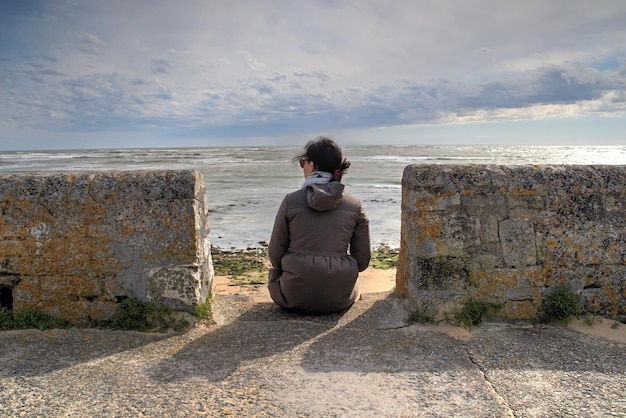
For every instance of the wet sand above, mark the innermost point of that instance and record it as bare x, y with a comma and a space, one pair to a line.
370, 281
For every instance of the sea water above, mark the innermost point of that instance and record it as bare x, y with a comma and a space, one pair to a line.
245, 185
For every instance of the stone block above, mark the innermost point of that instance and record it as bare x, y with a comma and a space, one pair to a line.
516, 231
489, 228
77, 243
437, 274
518, 243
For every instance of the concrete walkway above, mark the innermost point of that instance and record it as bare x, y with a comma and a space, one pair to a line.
261, 361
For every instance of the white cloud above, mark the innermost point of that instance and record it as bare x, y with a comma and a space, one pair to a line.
198, 67
88, 38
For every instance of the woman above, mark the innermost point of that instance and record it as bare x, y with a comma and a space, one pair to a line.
320, 241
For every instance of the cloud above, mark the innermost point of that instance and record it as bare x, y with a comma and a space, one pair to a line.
320, 75
550, 85
240, 68
89, 39
162, 66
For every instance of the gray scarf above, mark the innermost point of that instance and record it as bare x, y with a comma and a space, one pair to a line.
317, 177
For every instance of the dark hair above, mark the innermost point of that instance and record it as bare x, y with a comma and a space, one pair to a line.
326, 155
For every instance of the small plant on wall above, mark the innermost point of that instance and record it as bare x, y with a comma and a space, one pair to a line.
422, 314
561, 305
29, 318
474, 312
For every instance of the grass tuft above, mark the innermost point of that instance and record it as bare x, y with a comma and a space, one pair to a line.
135, 315
203, 311
423, 314
28, 318
561, 305
473, 313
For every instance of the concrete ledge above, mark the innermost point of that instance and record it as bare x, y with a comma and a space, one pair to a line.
74, 245
262, 361
509, 234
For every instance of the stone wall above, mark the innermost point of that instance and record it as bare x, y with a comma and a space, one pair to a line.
75, 245
509, 234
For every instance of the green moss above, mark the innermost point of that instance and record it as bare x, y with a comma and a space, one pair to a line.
250, 266
236, 263
384, 258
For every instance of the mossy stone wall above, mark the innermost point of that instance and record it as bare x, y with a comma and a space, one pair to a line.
75, 245
510, 234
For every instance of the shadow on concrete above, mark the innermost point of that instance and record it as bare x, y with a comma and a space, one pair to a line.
257, 331
369, 337
379, 341
34, 352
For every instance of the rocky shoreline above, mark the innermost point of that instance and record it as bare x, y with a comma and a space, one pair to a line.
251, 261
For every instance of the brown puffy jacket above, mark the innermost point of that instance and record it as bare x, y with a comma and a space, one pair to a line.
312, 270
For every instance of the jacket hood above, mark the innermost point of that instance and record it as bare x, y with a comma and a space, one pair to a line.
324, 197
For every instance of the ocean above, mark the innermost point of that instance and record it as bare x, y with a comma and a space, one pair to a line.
245, 185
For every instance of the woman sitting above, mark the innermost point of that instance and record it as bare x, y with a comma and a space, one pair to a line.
320, 240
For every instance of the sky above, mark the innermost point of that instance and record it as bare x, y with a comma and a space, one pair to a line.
154, 73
